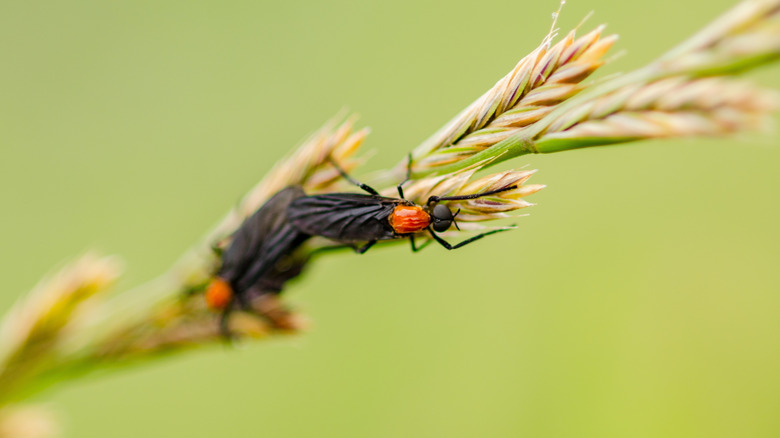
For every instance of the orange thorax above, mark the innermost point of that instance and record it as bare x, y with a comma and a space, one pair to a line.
409, 219
219, 294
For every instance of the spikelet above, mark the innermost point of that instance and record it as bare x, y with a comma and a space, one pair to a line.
673, 107
541, 80
33, 329
307, 167
745, 37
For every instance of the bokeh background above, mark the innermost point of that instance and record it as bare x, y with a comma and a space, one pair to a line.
640, 297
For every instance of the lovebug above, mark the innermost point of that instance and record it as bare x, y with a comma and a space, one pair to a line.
352, 218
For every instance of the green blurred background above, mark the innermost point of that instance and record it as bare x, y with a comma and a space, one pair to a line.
640, 297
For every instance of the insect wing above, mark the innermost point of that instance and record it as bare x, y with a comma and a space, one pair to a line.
273, 248
251, 244
344, 217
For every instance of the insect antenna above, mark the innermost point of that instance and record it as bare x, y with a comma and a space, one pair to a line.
454, 221
435, 199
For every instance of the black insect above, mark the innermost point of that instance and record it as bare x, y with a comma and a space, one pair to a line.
352, 218
260, 258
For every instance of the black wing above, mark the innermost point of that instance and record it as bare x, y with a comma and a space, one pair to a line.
262, 271
344, 217
261, 241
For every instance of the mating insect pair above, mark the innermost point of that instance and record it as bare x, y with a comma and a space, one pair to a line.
262, 254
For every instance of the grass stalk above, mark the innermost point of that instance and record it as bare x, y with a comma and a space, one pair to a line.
746, 37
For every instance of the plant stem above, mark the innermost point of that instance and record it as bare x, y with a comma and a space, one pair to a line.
743, 38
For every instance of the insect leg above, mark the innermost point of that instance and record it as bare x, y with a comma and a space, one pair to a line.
447, 245
408, 177
365, 247
224, 318
344, 174
416, 248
